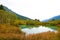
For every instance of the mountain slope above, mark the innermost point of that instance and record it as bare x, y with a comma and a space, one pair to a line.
8, 10
9, 17
6, 17
53, 18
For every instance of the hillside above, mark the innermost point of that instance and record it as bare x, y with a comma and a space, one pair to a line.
9, 17
6, 17
53, 18
8, 31
10, 11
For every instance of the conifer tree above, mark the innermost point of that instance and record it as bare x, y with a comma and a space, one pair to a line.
1, 7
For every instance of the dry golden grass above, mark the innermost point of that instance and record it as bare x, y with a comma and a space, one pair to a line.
8, 32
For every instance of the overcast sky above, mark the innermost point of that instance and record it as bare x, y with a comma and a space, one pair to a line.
34, 9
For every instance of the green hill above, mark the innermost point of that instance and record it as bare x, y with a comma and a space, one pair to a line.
5, 9
10, 11
8, 31
8, 16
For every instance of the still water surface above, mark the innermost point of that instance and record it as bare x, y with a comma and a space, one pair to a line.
36, 30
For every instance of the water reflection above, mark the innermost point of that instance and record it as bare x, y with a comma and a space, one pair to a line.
35, 30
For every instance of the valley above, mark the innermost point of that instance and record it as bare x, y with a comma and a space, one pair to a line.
15, 27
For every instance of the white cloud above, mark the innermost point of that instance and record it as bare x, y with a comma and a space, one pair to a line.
39, 9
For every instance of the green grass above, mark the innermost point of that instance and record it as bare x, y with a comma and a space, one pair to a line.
27, 26
53, 27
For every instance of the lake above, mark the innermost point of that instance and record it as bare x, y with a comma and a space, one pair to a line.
36, 30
